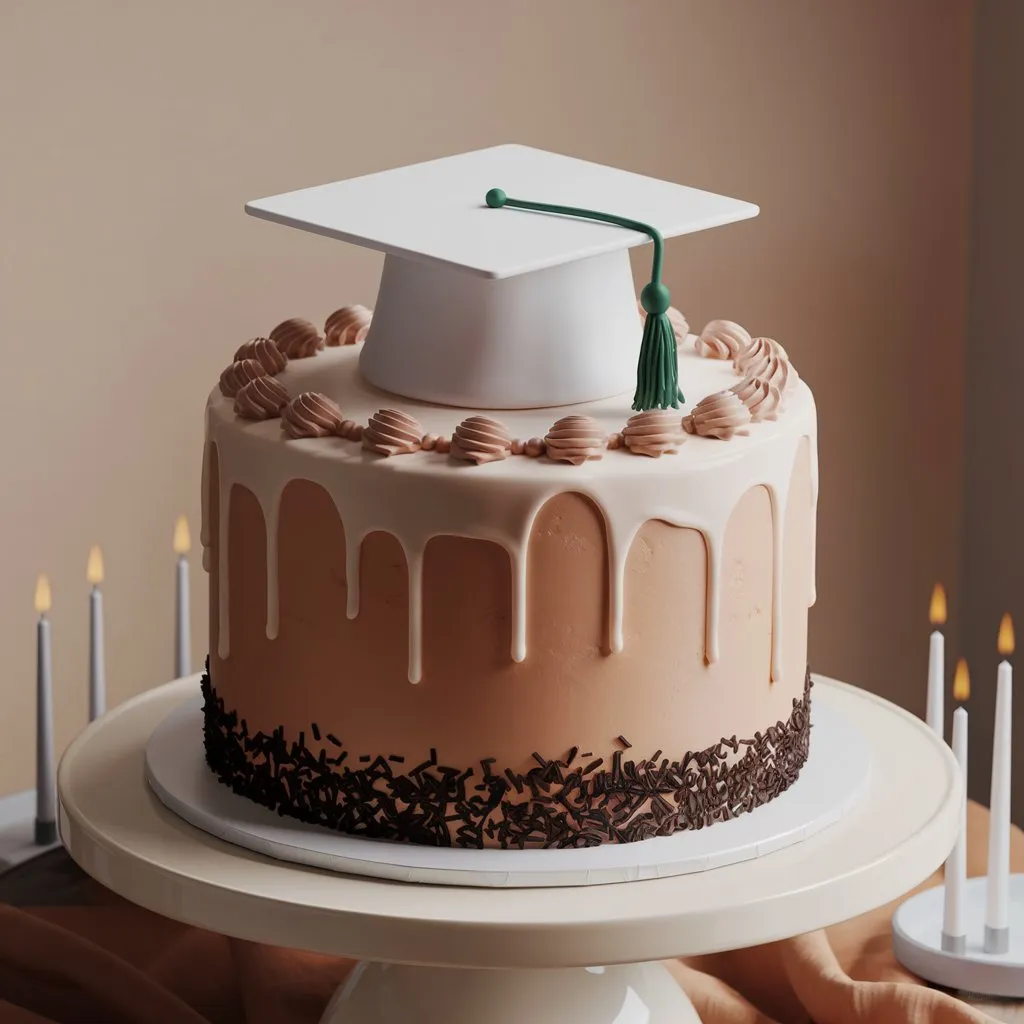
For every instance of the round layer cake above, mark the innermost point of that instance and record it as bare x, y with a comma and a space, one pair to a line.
534, 628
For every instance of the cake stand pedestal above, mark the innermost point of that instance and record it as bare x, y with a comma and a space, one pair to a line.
423, 946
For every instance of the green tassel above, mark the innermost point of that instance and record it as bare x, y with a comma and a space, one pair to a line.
657, 371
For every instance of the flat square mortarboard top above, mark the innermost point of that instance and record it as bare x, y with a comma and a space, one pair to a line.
485, 308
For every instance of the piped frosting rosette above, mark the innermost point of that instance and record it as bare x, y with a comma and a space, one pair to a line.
265, 352
261, 399
654, 433
722, 339
347, 326
575, 439
721, 415
238, 374
761, 398
297, 338
393, 432
481, 439
766, 359
311, 414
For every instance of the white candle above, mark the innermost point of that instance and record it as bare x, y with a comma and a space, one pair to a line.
46, 788
954, 917
997, 904
936, 672
182, 624
935, 706
97, 661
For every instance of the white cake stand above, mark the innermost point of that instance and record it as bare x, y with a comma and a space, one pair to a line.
419, 943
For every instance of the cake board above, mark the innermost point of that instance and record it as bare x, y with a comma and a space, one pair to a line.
833, 780
432, 953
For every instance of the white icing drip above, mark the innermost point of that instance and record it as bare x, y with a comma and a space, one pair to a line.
618, 555
712, 599
813, 592
404, 499
778, 503
353, 549
224, 598
270, 518
414, 560
519, 595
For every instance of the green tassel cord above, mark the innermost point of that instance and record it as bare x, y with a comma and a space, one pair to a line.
657, 371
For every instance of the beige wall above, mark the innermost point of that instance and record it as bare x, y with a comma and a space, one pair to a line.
134, 132
993, 552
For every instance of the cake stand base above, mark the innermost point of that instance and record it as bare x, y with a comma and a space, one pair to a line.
917, 942
500, 955
630, 994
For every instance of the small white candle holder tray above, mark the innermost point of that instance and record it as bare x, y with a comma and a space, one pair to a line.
917, 942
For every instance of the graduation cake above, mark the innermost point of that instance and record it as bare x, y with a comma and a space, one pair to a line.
513, 560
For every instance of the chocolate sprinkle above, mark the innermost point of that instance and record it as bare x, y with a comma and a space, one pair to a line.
627, 744
549, 806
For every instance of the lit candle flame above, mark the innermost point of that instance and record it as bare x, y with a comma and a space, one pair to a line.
961, 681
937, 609
1005, 642
42, 594
182, 539
94, 570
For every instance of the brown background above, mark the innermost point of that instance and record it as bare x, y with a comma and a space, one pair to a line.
133, 133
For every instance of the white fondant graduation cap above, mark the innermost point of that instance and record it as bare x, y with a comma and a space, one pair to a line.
501, 308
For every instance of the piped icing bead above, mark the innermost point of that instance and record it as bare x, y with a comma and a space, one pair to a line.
347, 326
534, 448
653, 433
261, 399
761, 398
265, 352
297, 338
680, 328
481, 439
392, 432
435, 443
720, 415
574, 439
350, 430
311, 414
238, 374
722, 339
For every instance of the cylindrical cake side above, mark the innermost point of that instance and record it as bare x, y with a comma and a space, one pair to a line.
575, 744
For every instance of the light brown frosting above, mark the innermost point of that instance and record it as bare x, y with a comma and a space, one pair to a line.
680, 328
261, 399
265, 352
297, 338
722, 339
347, 326
392, 432
311, 414
238, 374
654, 433
481, 439
574, 439
761, 398
720, 415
